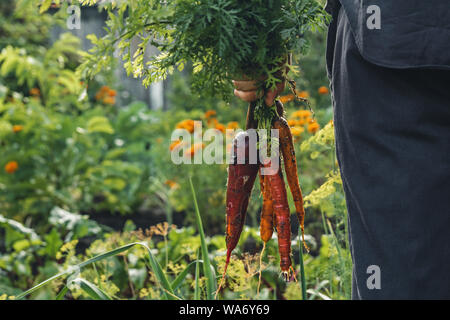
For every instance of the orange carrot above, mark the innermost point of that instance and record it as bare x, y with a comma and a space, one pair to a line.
290, 167
267, 217
267, 214
281, 207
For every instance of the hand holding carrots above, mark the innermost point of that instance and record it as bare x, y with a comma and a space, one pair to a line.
249, 90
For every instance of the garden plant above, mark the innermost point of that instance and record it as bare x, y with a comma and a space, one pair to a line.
91, 205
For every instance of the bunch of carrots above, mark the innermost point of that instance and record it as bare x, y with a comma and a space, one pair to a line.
275, 213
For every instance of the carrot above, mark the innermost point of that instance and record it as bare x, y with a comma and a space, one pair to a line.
241, 177
267, 217
267, 214
282, 213
290, 166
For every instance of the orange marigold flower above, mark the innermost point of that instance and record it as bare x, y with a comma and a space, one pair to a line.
323, 90
109, 100
172, 184
303, 94
220, 127
17, 128
210, 113
35, 92
100, 95
11, 167
194, 149
212, 122
174, 144
287, 98
233, 125
301, 114
313, 127
292, 122
296, 131
187, 124
112, 93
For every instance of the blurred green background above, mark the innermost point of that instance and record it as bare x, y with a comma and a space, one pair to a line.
86, 167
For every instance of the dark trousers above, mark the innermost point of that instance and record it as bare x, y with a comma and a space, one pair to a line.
393, 147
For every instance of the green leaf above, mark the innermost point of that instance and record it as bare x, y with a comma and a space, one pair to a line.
62, 293
197, 278
99, 124
207, 267
92, 290
52, 243
168, 292
45, 6
179, 279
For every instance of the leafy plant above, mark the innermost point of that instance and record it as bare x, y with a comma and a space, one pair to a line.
221, 38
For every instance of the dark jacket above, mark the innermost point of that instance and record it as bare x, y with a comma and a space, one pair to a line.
413, 33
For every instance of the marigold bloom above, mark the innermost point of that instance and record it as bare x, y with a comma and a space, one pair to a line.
233, 125
194, 149
17, 128
11, 167
212, 122
220, 127
104, 92
323, 90
296, 131
174, 144
301, 114
287, 98
210, 113
187, 124
292, 122
313, 127
303, 94
109, 100
172, 184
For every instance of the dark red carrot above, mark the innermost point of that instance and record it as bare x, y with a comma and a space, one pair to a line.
290, 166
241, 177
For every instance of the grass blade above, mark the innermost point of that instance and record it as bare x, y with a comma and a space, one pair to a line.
62, 293
197, 276
92, 290
179, 279
156, 267
207, 268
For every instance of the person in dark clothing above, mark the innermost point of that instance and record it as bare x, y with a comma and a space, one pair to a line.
389, 69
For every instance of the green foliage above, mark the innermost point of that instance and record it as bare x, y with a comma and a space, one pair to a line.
23, 26
78, 155
221, 38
